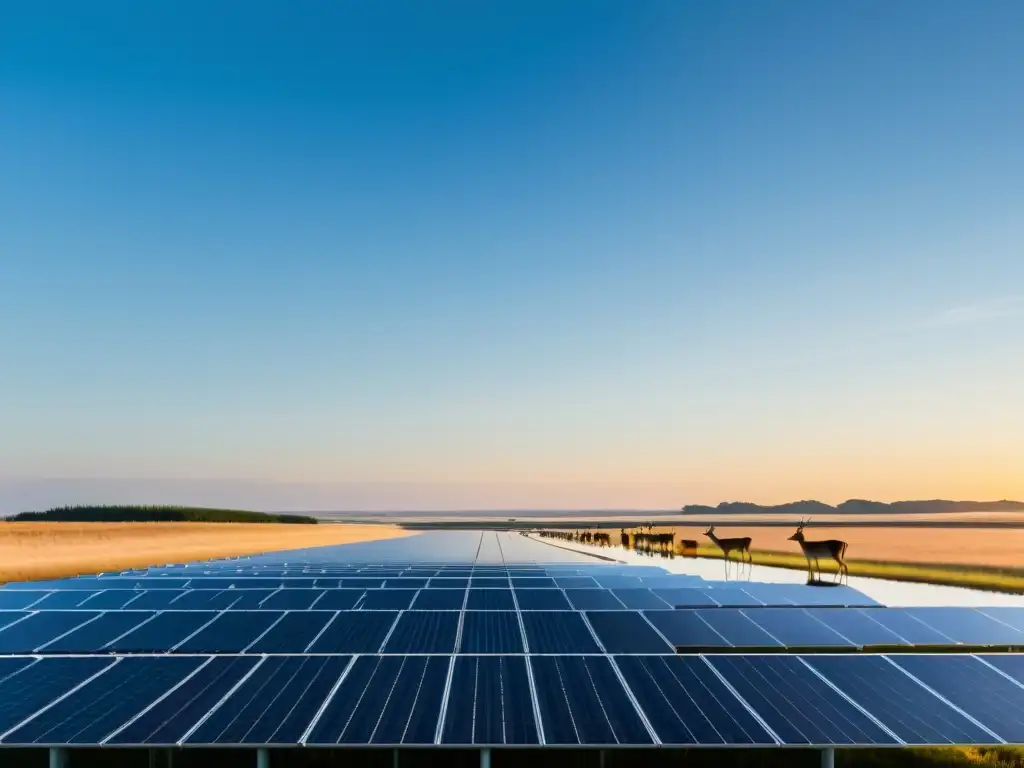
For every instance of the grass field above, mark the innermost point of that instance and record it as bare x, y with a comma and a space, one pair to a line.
30, 551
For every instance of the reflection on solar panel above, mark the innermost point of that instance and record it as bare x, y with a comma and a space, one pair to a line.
424, 632
355, 632
41, 628
626, 632
162, 632
491, 632
37, 685
557, 632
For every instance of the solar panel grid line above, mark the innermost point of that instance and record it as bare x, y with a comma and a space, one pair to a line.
867, 613
320, 633
818, 620
60, 698
265, 631
154, 703
746, 705
19, 620
1012, 679
657, 631
261, 602
942, 698
216, 615
195, 726
387, 637
128, 632
590, 628
632, 698
65, 634
445, 695
850, 699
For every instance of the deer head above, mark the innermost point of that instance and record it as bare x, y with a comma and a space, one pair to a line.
799, 535
710, 531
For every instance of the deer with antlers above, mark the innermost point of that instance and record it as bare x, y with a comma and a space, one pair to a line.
813, 550
728, 546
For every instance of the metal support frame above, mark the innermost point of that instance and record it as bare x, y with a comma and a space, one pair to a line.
59, 758
262, 758
828, 758
485, 758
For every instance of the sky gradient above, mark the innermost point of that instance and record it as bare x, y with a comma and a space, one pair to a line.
473, 255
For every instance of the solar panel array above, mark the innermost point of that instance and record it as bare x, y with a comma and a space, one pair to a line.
272, 651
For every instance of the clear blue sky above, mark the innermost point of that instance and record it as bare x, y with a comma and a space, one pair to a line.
465, 254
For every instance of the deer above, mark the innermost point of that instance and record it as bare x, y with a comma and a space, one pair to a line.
740, 545
832, 548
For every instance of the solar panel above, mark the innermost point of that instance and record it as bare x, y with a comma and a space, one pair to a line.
292, 599
582, 701
230, 632
687, 703
355, 632
626, 632
906, 708
385, 700
973, 687
907, 627
388, 599
639, 599
738, 629
172, 716
542, 600
796, 704
439, 600
593, 599
734, 598
489, 702
163, 632
63, 600
27, 691
557, 632
491, 632
340, 599
92, 712
448, 583
275, 704
686, 630
94, 635
41, 628
247, 599
576, 582
15, 600
9, 617
968, 626
424, 632
533, 582
686, 598
857, 625
490, 600
155, 599
293, 633
795, 628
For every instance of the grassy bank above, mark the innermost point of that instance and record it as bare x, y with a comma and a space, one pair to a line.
973, 577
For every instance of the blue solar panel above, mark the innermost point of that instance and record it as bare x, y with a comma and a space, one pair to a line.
640, 599
9, 617
489, 702
40, 629
293, 633
199, 599
626, 632
292, 600
576, 582
275, 704
686, 630
557, 632
248, 599
97, 709
533, 582
448, 583
542, 600
490, 600
155, 599
10, 666
385, 700
582, 702
686, 598
388, 599
734, 598
230, 632
797, 705
111, 599
340, 599
405, 583
619, 581
94, 635
361, 582
15, 600
355, 632
163, 632
26, 692
593, 600
795, 628
64, 600
489, 582
491, 632
439, 600
914, 632
424, 632
857, 625
170, 719
738, 629
914, 714
976, 689
968, 626
686, 702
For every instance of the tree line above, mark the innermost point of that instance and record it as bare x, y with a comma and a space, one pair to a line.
132, 513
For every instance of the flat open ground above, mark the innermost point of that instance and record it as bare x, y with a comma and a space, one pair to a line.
30, 551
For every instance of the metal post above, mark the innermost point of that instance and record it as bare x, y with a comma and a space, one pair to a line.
59, 758
170, 758
152, 758
828, 758
262, 758
601, 758
394, 758
485, 758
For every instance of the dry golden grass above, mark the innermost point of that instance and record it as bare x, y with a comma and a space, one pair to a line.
31, 551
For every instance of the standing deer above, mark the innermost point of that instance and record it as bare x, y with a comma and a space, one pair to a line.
741, 545
813, 550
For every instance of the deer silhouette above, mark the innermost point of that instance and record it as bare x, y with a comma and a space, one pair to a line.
740, 545
813, 550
